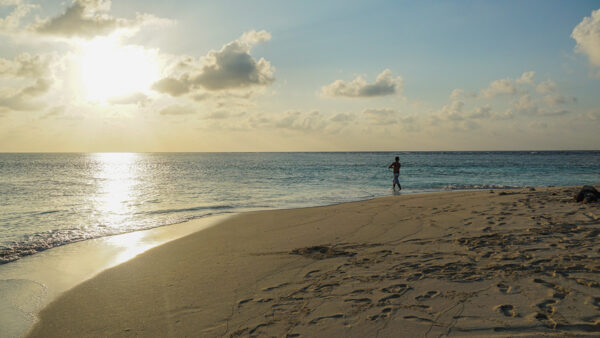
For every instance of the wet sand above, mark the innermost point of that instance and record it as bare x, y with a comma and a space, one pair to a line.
503, 263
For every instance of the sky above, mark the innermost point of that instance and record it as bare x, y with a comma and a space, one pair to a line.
213, 76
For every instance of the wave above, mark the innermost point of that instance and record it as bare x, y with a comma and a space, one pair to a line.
178, 210
478, 186
39, 242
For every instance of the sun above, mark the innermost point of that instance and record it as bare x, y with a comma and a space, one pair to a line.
110, 69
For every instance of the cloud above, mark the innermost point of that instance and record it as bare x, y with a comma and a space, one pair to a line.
178, 110
507, 86
499, 87
295, 120
222, 115
12, 21
171, 86
456, 93
381, 116
23, 99
525, 105
593, 114
343, 118
89, 18
54, 111
385, 84
135, 98
484, 112
546, 87
25, 65
452, 112
253, 37
587, 36
460, 93
557, 100
232, 67
526, 78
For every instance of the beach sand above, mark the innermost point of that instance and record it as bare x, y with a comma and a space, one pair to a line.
507, 263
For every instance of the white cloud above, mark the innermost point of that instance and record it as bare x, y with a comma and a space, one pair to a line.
587, 36
456, 94
385, 84
383, 116
547, 86
484, 112
525, 105
557, 100
232, 67
500, 87
343, 118
508, 86
12, 21
299, 121
89, 18
526, 78
253, 37
25, 65
594, 115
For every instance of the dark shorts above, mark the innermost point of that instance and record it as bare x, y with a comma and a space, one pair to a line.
396, 178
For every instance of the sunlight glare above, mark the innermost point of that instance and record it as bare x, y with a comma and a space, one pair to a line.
110, 70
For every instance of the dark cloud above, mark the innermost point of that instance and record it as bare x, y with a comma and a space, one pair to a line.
385, 84
232, 67
89, 18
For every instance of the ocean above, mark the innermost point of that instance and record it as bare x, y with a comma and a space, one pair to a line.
48, 200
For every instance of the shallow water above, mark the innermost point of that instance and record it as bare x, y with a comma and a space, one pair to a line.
54, 199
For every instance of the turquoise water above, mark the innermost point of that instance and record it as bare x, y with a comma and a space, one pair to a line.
54, 199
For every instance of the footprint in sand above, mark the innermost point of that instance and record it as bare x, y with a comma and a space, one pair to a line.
271, 288
415, 276
507, 310
428, 295
503, 288
544, 283
546, 305
383, 314
318, 319
244, 301
386, 300
358, 300
397, 288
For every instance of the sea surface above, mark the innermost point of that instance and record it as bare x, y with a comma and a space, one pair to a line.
47, 200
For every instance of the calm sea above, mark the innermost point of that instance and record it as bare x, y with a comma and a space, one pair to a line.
48, 200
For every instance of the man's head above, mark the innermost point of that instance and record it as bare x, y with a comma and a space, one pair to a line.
397, 158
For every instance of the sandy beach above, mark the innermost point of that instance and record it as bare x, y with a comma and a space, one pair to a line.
520, 262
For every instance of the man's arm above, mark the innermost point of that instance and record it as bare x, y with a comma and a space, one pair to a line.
391, 165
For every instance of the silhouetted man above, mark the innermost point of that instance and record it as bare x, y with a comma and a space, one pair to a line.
396, 165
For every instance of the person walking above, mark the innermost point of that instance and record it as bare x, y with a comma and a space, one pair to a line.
396, 165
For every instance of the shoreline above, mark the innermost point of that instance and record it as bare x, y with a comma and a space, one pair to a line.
225, 214
29, 284
217, 280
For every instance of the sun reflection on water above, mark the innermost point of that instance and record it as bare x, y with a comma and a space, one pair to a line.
117, 179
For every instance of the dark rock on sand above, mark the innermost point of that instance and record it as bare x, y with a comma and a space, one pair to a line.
587, 194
